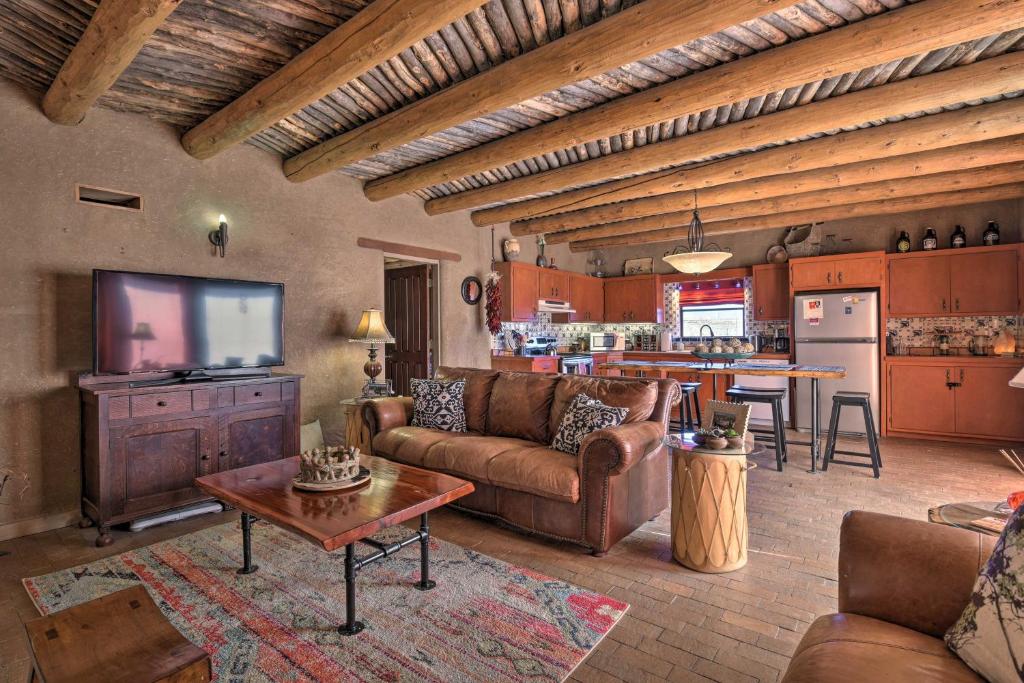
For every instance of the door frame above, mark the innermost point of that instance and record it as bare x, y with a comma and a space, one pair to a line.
436, 314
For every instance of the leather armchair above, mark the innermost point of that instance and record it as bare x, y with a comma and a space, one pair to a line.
902, 584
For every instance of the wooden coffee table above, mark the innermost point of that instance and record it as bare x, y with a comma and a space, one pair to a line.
396, 493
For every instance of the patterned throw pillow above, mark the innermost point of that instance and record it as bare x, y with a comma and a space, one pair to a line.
583, 416
988, 635
437, 404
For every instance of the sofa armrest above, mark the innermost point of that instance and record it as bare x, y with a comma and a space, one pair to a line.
908, 572
382, 414
616, 449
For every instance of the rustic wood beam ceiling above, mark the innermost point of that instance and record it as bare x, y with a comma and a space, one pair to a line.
640, 31
958, 127
901, 33
783, 220
611, 219
818, 199
113, 38
375, 35
992, 77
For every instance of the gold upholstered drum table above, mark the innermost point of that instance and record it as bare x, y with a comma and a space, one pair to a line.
709, 506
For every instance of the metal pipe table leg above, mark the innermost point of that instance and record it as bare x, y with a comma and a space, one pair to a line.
815, 429
425, 583
351, 626
247, 566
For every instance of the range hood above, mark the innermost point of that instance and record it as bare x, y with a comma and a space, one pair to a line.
554, 306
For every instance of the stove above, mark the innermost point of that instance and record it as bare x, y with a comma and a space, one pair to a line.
576, 364
540, 346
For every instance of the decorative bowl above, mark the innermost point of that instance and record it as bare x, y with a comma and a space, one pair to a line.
715, 443
699, 439
735, 441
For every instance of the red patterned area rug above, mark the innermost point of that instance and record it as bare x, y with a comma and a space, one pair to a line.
486, 620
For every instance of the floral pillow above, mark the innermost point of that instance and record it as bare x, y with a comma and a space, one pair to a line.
437, 404
583, 416
989, 636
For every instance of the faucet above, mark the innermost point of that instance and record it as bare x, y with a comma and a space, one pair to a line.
700, 333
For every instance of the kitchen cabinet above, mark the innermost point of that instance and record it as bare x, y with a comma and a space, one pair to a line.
771, 292
973, 281
634, 299
542, 364
586, 294
836, 272
520, 289
962, 397
553, 284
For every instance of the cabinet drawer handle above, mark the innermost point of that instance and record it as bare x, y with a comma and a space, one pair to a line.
258, 393
162, 404
223, 454
957, 304
828, 278
840, 276
206, 456
943, 303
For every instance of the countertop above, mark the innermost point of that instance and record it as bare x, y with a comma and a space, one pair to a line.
687, 355
1009, 361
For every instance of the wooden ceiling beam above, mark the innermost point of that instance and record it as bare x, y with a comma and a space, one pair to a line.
961, 157
784, 220
948, 129
988, 78
115, 34
854, 194
897, 34
374, 35
634, 33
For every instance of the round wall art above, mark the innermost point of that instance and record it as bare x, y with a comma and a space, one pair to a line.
472, 290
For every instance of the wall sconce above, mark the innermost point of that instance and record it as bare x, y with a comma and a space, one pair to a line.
219, 237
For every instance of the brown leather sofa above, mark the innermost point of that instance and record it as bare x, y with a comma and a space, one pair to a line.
618, 481
902, 584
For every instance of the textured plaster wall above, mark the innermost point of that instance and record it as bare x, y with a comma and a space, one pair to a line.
301, 234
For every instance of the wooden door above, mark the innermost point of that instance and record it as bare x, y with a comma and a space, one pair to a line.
586, 294
154, 464
771, 292
859, 272
519, 291
407, 315
986, 405
649, 301
919, 286
553, 284
812, 274
250, 437
984, 283
920, 400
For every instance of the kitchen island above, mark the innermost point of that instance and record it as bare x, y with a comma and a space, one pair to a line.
791, 371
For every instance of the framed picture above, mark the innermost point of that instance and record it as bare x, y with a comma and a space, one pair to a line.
726, 416
638, 266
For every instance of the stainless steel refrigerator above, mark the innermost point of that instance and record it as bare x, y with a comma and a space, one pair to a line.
837, 328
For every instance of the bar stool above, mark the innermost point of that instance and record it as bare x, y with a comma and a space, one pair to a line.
855, 399
689, 418
774, 398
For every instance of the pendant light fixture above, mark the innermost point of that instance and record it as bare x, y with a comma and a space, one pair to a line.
692, 259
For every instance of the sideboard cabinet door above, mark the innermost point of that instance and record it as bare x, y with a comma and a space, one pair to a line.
250, 437
154, 464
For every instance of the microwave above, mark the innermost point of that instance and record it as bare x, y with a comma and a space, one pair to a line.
607, 341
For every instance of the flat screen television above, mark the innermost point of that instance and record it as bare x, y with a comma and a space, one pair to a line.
145, 322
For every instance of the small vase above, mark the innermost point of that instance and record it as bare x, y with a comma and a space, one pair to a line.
510, 249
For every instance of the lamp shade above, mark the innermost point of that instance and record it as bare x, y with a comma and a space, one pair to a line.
371, 329
695, 263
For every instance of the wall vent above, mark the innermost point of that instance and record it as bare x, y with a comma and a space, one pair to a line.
98, 196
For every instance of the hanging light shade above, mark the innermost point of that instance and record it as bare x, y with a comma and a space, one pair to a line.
692, 258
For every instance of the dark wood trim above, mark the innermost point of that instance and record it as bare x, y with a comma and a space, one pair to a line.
408, 250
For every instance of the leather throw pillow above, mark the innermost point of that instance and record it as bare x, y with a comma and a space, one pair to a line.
583, 416
988, 636
437, 404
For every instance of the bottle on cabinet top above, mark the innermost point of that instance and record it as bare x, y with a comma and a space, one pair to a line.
958, 240
903, 243
930, 241
991, 236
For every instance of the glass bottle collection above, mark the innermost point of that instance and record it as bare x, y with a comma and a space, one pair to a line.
958, 240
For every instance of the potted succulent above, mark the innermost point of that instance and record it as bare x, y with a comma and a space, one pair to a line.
713, 438
733, 438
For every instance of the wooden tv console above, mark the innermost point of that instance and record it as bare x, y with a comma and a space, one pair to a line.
143, 447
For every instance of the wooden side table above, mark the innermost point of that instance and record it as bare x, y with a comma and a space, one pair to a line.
357, 432
119, 638
709, 507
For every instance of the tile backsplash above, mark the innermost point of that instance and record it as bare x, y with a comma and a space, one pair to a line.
569, 333
911, 332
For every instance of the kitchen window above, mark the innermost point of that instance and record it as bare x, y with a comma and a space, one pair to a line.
727, 320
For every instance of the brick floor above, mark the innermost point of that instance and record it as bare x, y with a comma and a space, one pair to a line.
681, 626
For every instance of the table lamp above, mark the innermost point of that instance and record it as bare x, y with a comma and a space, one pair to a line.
372, 330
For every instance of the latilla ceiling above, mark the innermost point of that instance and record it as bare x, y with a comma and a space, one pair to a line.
208, 52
